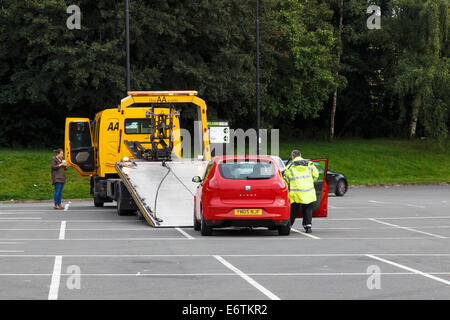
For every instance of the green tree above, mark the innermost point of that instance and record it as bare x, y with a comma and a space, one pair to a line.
418, 32
303, 65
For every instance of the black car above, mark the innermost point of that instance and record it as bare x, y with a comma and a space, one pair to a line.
337, 181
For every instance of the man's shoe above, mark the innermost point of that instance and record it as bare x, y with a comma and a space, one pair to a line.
56, 207
60, 207
308, 230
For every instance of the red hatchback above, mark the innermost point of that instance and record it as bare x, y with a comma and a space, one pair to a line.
241, 191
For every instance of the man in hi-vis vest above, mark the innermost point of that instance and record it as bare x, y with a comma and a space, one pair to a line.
300, 175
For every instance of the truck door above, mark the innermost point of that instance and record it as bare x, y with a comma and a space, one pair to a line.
79, 149
321, 185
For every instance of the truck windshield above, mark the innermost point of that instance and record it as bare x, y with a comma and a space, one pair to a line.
247, 170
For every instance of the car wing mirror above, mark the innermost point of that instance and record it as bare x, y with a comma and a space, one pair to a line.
196, 179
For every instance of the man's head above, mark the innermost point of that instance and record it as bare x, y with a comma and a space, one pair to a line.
295, 154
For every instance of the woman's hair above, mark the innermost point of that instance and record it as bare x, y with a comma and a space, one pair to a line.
57, 151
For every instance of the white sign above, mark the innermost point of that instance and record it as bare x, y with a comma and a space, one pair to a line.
219, 134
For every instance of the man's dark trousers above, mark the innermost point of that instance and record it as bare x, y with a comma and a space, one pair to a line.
306, 209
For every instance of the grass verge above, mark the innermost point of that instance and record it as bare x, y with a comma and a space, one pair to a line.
25, 174
379, 161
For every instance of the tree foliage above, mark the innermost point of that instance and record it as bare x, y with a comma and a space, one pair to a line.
385, 77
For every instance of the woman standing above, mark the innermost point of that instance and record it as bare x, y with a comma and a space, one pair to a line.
58, 166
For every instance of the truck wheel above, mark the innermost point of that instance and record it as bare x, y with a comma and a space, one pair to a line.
205, 230
98, 202
197, 224
284, 230
120, 211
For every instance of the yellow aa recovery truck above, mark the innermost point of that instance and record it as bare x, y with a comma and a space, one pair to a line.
133, 155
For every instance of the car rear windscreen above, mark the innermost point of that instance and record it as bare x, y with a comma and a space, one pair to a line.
246, 170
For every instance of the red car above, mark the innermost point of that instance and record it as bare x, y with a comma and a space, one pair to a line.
241, 191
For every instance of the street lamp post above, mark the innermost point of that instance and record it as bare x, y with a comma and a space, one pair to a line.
258, 107
127, 46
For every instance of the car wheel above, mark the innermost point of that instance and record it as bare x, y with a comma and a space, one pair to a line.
341, 188
285, 230
204, 229
197, 224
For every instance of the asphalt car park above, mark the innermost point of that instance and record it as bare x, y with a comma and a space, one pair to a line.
377, 243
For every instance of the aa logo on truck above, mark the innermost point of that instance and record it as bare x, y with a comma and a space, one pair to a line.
113, 127
161, 100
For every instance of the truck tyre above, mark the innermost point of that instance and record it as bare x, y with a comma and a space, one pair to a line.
120, 211
98, 202
204, 229
285, 230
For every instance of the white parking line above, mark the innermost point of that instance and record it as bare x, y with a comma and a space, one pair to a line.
228, 239
250, 280
386, 218
409, 269
226, 255
406, 228
81, 229
146, 229
305, 234
140, 222
394, 203
74, 220
54, 285
12, 251
66, 206
219, 274
62, 230
380, 228
415, 206
14, 213
184, 233
21, 218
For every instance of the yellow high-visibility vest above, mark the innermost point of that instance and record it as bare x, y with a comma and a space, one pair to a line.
300, 176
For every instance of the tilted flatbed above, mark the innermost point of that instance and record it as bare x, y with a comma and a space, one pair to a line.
163, 191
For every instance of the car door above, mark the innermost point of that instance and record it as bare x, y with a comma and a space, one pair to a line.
79, 149
320, 208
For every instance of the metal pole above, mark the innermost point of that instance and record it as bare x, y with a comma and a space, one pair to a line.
258, 107
127, 45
